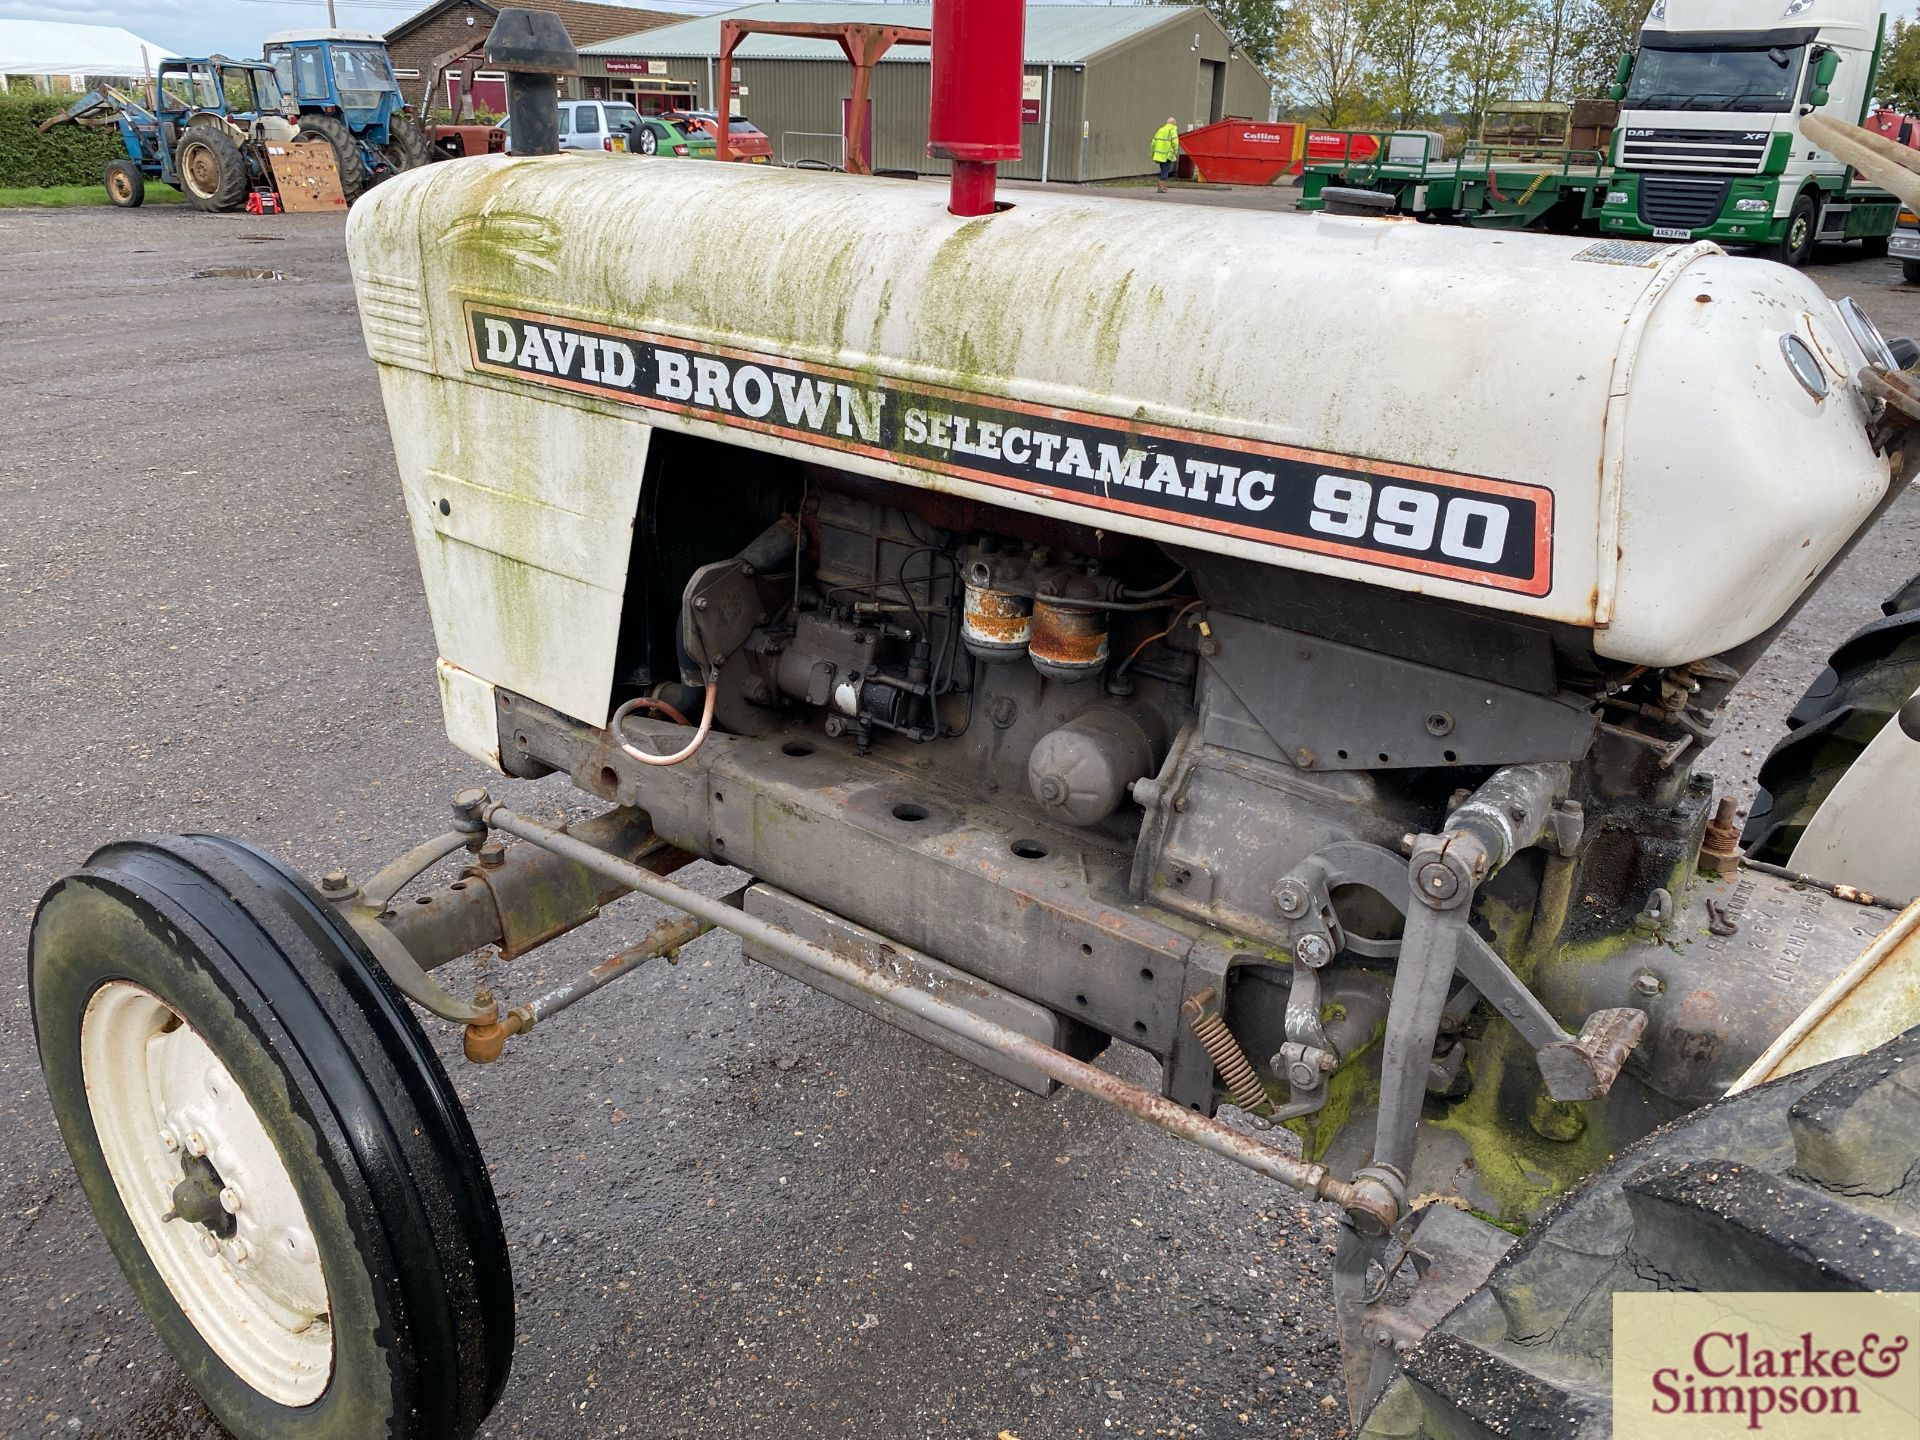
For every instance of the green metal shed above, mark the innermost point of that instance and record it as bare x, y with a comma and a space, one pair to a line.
1100, 80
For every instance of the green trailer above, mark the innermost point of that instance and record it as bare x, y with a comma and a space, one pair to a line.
1505, 186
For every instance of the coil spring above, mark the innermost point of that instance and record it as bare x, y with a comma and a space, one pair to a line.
1236, 1071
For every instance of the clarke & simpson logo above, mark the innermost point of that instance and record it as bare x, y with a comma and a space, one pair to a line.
1791, 1366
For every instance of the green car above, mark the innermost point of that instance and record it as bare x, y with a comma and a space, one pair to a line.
651, 135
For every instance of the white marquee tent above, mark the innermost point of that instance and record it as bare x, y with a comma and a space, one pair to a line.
57, 55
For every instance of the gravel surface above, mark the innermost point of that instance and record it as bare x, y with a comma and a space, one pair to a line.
732, 1204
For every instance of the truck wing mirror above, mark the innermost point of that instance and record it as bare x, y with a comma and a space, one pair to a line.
1826, 64
1621, 73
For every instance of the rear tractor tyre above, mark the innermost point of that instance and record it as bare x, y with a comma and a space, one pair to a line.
1806, 1184
212, 171
1868, 678
346, 150
407, 146
270, 1146
126, 185
1803, 224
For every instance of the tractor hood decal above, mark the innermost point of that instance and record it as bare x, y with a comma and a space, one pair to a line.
1483, 531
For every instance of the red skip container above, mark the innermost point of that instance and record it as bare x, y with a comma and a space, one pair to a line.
1243, 152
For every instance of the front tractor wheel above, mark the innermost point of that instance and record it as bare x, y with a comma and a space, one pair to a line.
270, 1146
126, 185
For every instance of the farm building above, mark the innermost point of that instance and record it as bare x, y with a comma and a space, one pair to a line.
447, 39
1100, 79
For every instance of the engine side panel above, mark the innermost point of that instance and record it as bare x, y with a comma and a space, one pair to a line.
1495, 375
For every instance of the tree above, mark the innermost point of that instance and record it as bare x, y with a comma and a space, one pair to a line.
1550, 47
1407, 53
1599, 32
1899, 84
1322, 58
1486, 50
1253, 26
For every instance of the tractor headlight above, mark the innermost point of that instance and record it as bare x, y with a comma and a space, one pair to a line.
1806, 369
1866, 334
1753, 204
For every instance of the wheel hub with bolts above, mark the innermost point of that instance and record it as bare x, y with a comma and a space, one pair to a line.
247, 1275
198, 1198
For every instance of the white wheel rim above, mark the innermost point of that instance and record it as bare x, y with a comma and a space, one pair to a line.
158, 1093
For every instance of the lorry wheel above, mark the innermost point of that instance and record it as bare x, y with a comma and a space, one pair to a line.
1804, 1184
1868, 678
270, 1146
1803, 223
212, 171
126, 185
346, 150
1910, 271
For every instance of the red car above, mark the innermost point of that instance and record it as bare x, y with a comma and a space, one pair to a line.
746, 140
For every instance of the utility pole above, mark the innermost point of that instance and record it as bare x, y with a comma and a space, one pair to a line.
332, 23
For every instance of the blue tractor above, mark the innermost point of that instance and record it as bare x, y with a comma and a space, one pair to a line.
202, 126
343, 84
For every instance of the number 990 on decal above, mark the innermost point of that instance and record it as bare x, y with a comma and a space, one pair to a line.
1462, 528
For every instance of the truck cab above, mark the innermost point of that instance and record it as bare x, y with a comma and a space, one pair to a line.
1710, 145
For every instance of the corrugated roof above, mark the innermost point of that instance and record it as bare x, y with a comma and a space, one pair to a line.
1056, 34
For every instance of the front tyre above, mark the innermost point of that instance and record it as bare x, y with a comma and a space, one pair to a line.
126, 185
1803, 223
270, 1146
1910, 271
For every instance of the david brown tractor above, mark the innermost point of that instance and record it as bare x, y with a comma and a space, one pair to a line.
1338, 745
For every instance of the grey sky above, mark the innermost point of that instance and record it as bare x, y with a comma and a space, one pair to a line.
228, 27
236, 27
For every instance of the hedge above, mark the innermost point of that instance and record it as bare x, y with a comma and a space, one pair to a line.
65, 155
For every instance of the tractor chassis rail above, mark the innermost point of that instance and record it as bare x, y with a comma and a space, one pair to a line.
1372, 1203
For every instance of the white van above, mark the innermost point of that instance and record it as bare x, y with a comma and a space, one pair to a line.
586, 124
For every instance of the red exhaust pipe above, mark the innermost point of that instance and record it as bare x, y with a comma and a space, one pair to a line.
979, 49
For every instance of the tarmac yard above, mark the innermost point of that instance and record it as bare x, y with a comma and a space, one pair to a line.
734, 1207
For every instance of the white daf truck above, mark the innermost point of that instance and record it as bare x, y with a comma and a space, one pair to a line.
1710, 144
